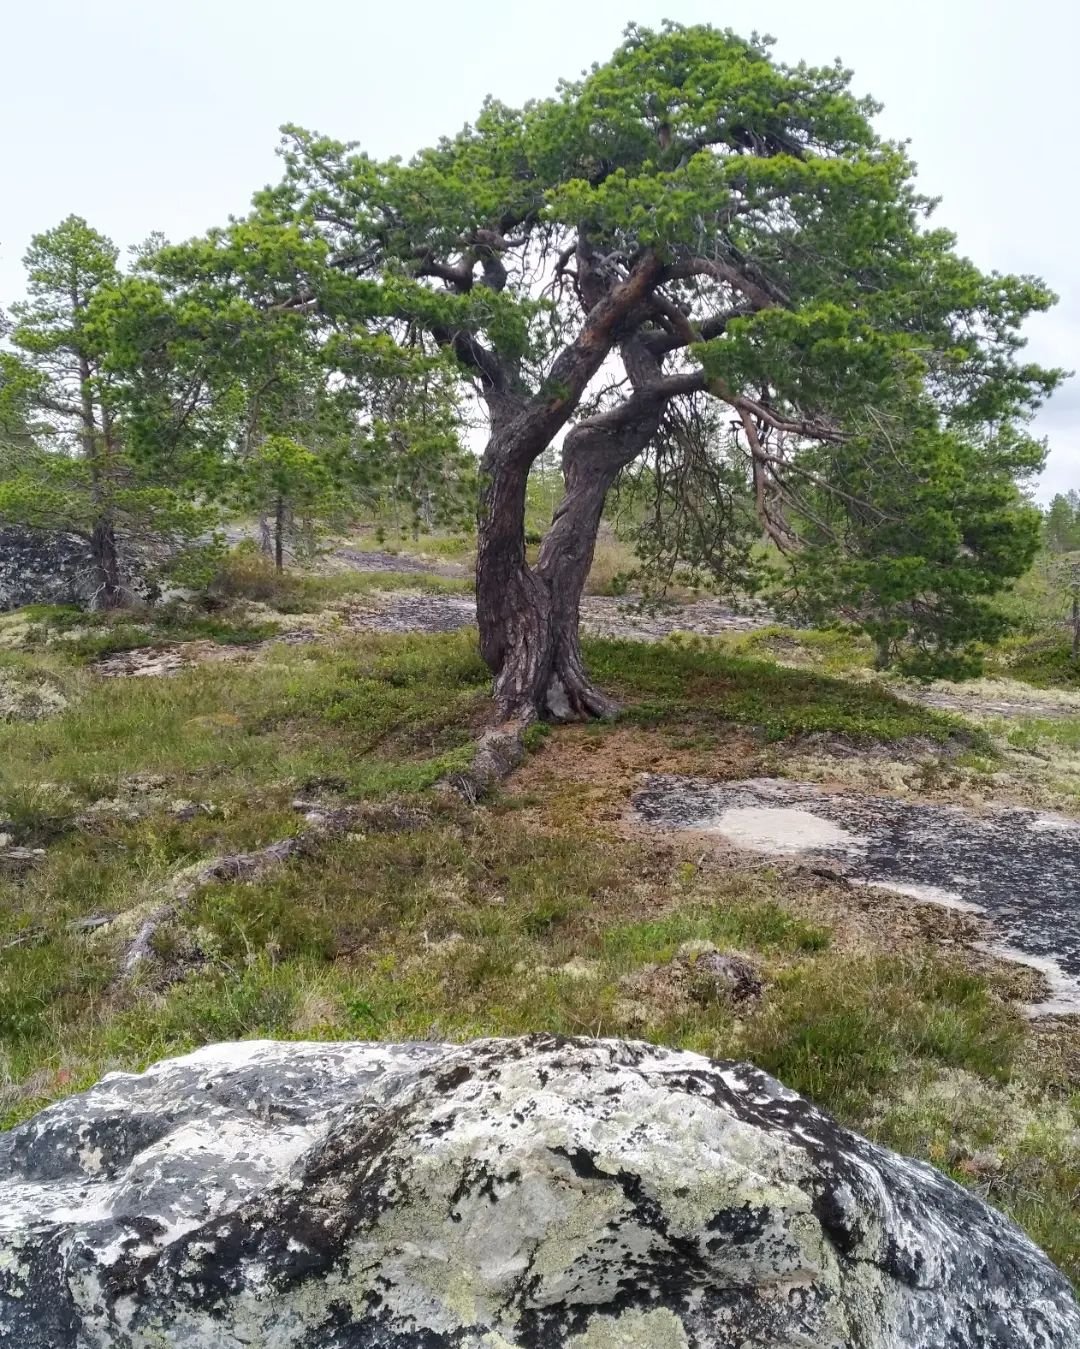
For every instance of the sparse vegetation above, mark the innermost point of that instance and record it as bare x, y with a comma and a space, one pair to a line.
247, 574
534, 911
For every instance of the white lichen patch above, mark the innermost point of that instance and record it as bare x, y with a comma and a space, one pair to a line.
28, 699
961, 1109
928, 894
15, 630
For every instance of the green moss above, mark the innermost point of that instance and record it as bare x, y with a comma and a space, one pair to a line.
831, 651
1047, 663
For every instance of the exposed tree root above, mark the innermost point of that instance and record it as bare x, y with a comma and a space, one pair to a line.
323, 822
186, 884
498, 752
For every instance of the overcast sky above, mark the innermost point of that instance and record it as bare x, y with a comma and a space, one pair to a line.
149, 116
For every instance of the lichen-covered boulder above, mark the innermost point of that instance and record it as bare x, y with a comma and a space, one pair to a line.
43, 568
535, 1193
53, 567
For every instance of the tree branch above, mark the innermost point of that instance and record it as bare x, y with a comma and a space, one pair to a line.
760, 292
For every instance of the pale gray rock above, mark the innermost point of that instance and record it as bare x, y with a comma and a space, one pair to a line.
601, 616
508, 1194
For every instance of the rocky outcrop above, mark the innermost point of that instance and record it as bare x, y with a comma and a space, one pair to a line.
43, 568
52, 567
530, 1193
623, 618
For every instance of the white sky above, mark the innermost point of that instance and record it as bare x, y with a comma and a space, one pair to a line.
143, 115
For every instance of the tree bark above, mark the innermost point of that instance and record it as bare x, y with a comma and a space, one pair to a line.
513, 606
592, 460
529, 616
279, 534
106, 559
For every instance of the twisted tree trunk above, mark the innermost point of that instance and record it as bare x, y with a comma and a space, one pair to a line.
595, 453
529, 616
513, 606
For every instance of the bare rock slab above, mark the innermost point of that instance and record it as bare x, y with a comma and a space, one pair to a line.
1016, 867
43, 567
508, 1194
601, 616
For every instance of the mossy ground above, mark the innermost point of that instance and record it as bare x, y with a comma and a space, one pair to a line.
540, 909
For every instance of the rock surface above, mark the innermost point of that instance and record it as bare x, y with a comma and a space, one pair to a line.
601, 616
516, 1194
990, 700
37, 568
1015, 867
45, 567
366, 559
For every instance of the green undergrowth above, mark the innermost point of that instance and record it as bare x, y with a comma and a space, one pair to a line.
310, 593
400, 536
1040, 656
448, 547
374, 714
697, 683
829, 651
1045, 662
1041, 598
89, 636
1046, 735
449, 921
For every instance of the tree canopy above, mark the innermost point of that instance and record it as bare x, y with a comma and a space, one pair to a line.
695, 221
65, 455
1062, 523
